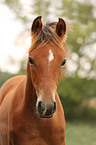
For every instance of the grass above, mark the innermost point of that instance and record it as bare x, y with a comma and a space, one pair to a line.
80, 134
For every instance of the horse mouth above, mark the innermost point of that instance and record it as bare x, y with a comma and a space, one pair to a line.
47, 113
45, 116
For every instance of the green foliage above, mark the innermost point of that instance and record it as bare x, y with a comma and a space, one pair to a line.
73, 92
4, 76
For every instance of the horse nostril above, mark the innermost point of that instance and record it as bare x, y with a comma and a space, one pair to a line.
54, 108
41, 108
51, 109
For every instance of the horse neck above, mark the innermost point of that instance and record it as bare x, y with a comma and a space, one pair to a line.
30, 95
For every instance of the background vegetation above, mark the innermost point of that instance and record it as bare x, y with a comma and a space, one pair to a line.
78, 89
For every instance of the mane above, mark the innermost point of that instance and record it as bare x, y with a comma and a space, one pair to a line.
47, 35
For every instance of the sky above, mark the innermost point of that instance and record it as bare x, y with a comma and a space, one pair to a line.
12, 46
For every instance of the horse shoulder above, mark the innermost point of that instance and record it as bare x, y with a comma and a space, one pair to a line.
7, 93
10, 84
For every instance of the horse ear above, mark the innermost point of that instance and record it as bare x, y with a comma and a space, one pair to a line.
61, 28
36, 26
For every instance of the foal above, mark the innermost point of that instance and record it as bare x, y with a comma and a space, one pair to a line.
30, 109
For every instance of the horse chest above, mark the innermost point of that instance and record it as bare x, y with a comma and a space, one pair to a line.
39, 135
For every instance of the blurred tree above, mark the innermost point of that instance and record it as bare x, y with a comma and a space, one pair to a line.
76, 94
4, 76
40, 7
81, 15
17, 7
82, 19
22, 70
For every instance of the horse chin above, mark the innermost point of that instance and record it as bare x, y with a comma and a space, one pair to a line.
43, 116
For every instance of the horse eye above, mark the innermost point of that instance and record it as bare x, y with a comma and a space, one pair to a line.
31, 61
63, 63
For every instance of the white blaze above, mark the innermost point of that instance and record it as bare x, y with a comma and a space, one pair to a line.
51, 56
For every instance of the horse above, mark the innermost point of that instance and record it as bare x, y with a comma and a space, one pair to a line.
31, 112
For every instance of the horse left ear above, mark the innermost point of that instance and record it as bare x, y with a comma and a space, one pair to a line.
61, 28
36, 26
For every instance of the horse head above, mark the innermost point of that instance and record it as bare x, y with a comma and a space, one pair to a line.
46, 61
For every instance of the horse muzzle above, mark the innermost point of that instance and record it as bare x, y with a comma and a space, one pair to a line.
46, 111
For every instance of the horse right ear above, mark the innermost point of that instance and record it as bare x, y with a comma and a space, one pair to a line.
36, 26
61, 28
